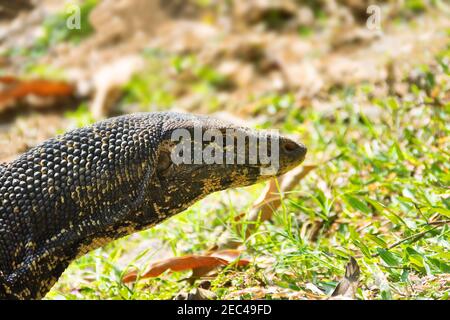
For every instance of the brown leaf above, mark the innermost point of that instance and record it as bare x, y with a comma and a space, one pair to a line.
8, 79
346, 288
231, 255
205, 263
15, 89
183, 263
130, 276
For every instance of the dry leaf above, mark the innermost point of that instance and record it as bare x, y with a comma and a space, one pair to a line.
14, 89
130, 276
190, 262
346, 288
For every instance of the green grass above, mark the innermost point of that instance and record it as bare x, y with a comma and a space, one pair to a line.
380, 194
168, 76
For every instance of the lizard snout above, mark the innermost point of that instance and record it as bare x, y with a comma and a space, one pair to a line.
291, 154
293, 150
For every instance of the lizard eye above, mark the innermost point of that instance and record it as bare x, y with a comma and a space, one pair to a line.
164, 162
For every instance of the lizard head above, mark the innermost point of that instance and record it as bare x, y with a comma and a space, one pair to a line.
199, 155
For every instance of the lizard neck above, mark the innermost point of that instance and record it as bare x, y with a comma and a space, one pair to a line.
35, 252
35, 274
41, 265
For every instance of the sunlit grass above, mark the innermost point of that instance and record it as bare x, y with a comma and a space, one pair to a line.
380, 194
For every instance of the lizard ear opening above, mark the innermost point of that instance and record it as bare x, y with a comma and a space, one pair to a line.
164, 163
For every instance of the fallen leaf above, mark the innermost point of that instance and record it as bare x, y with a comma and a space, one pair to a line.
230, 255
313, 288
8, 79
346, 288
130, 276
14, 89
190, 262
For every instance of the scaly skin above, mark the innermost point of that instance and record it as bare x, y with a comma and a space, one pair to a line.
79, 191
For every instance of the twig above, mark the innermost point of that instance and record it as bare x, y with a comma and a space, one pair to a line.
416, 237
438, 222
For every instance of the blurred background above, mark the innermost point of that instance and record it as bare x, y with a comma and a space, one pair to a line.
257, 59
364, 84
